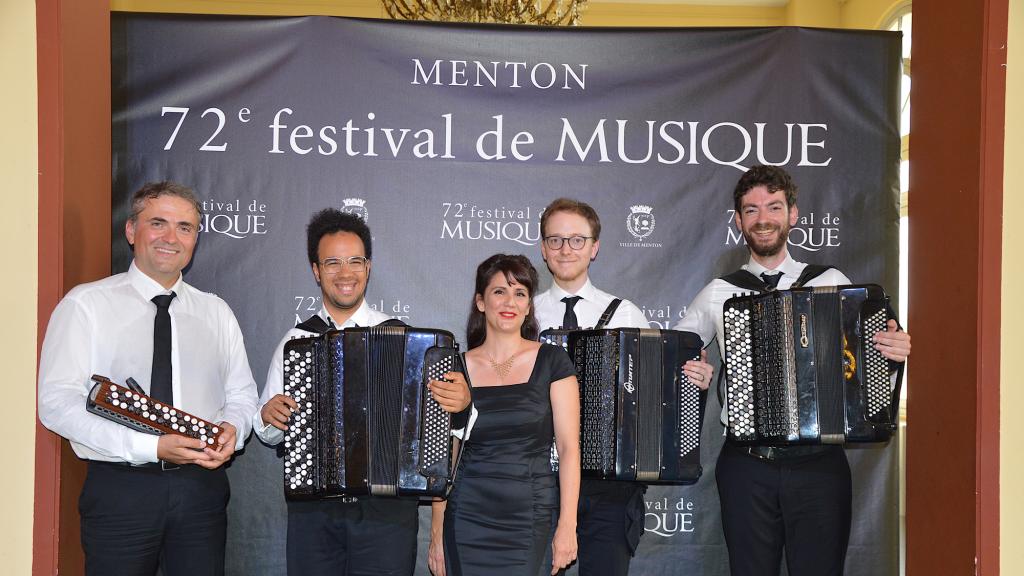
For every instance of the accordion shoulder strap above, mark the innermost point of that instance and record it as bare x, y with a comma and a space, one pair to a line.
746, 280
606, 316
811, 271
749, 281
314, 324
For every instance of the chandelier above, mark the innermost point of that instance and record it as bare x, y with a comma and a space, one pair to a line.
540, 12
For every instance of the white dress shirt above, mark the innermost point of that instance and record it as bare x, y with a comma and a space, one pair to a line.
363, 316
550, 309
106, 328
704, 315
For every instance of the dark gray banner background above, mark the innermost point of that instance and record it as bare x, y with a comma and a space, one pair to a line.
822, 103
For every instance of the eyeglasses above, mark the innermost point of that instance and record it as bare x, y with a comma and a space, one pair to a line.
334, 265
575, 242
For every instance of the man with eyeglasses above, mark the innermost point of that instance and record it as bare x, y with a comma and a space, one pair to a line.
611, 513
343, 536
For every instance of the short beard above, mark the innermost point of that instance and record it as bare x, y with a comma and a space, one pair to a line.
771, 249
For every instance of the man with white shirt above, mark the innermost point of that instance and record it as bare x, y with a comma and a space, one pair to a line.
150, 501
798, 498
611, 513
343, 536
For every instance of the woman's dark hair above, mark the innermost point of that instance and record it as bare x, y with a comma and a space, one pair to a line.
515, 268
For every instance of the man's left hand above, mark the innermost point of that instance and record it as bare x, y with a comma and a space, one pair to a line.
225, 446
699, 371
453, 395
894, 344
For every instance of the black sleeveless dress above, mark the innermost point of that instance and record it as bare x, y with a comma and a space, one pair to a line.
499, 518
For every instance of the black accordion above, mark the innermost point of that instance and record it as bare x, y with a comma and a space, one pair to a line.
801, 367
366, 423
640, 416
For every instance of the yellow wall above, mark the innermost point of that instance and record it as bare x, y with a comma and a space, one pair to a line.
817, 13
18, 204
1011, 390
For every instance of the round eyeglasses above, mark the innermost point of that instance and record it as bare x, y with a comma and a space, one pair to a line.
575, 242
334, 265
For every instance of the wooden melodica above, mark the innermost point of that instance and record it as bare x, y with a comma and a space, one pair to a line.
128, 405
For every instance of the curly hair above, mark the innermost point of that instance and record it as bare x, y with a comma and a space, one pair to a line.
771, 177
331, 221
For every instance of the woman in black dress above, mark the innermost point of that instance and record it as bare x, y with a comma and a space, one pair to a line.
499, 517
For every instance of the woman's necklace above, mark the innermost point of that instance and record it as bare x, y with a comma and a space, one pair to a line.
504, 367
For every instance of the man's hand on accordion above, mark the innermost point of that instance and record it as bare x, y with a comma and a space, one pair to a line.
178, 449
278, 410
894, 344
699, 371
452, 393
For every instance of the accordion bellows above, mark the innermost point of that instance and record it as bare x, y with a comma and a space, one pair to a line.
640, 415
365, 422
801, 367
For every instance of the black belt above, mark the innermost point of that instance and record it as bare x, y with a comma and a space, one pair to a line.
162, 465
777, 453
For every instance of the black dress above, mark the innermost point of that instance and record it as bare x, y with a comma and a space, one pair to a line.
500, 513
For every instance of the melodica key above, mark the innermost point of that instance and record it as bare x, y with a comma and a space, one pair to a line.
366, 423
801, 367
131, 407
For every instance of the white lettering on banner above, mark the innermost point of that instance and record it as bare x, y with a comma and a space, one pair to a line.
306, 306
397, 309
234, 219
812, 233
464, 221
360, 141
542, 75
667, 142
672, 134
663, 317
666, 519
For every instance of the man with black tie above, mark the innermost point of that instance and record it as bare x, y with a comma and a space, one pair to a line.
794, 498
611, 513
150, 501
343, 536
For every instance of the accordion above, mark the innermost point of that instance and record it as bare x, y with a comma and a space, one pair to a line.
365, 422
801, 367
640, 416
131, 407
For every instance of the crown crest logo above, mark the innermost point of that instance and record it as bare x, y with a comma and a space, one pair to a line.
354, 202
640, 209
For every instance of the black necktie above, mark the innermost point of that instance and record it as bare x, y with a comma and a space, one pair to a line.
772, 280
160, 378
569, 321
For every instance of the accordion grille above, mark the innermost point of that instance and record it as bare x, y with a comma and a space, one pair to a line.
597, 363
739, 365
384, 404
650, 414
776, 398
878, 385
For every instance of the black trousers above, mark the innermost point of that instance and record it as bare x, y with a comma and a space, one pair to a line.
372, 536
136, 519
799, 504
609, 526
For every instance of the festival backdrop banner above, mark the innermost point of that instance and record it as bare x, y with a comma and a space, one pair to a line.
450, 140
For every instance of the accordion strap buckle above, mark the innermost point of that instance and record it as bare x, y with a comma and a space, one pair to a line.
763, 452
